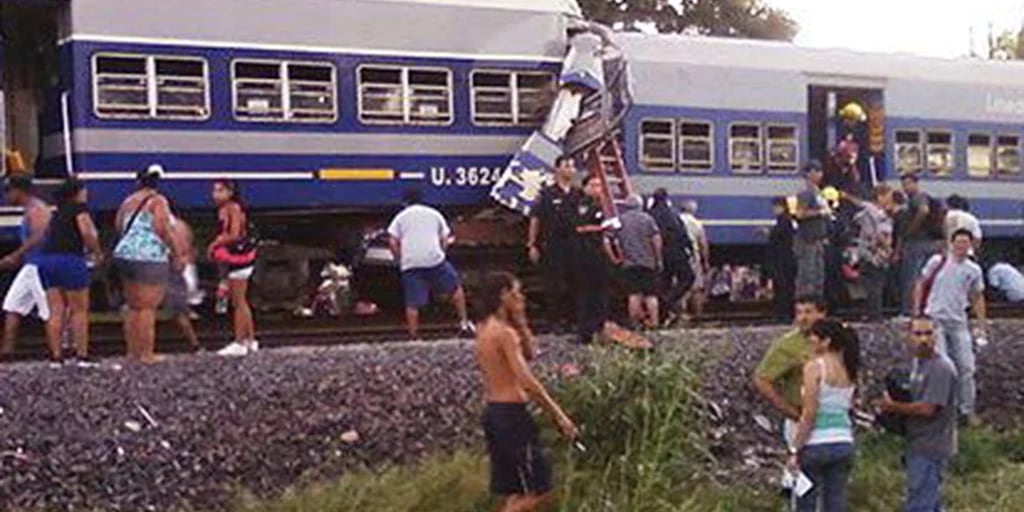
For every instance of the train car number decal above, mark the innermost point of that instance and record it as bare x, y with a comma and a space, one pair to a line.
464, 176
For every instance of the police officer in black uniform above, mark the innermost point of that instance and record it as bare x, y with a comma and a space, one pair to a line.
595, 260
552, 241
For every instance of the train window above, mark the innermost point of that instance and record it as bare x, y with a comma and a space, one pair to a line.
279, 91
909, 153
696, 145
1008, 154
939, 148
745, 147
979, 154
507, 98
430, 96
311, 92
657, 144
405, 95
150, 87
783, 144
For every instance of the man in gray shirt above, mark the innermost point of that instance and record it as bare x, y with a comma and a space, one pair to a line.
948, 285
812, 216
641, 246
931, 419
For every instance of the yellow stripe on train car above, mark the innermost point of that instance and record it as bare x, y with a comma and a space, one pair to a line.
357, 174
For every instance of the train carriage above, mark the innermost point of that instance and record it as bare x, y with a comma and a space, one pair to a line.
324, 107
729, 122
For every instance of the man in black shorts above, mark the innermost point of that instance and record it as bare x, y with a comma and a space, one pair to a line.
640, 243
504, 344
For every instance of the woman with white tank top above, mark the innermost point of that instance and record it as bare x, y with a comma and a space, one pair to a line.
823, 448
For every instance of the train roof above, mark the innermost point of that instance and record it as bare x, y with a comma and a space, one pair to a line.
661, 49
527, 30
569, 7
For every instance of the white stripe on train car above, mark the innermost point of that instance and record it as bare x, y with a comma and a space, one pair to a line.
219, 142
185, 176
765, 186
239, 45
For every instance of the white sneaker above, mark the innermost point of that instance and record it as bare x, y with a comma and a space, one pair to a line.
234, 349
253, 345
467, 329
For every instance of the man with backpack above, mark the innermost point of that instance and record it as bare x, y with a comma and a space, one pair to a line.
919, 236
949, 283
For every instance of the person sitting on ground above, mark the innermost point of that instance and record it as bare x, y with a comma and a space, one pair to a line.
26, 292
419, 237
823, 445
64, 271
1007, 280
779, 375
949, 283
931, 419
504, 345
640, 242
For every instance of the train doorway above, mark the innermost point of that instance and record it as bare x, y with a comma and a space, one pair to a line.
846, 133
29, 31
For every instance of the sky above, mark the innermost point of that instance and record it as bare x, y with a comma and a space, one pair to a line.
941, 28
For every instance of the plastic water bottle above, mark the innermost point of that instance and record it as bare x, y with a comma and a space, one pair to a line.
221, 307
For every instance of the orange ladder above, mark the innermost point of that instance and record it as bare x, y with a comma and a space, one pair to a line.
604, 160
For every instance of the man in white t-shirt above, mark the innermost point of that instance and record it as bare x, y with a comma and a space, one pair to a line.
959, 216
419, 237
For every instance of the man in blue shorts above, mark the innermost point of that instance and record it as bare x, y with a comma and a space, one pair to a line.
419, 238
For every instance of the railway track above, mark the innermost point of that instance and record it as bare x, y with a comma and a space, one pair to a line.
285, 331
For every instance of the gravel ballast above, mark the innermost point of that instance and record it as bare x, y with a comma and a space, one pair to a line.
196, 431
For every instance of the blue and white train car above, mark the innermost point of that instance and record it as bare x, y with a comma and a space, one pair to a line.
315, 105
728, 122
341, 105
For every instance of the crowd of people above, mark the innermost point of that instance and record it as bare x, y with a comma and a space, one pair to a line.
153, 258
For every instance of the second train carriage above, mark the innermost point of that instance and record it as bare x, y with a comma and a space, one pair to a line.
340, 105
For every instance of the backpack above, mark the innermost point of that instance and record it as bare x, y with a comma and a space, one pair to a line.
935, 222
897, 384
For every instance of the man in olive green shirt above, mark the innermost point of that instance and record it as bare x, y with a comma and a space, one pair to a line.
780, 374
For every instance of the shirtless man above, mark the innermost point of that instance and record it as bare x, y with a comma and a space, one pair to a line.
504, 344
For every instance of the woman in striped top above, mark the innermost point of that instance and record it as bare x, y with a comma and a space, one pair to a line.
823, 448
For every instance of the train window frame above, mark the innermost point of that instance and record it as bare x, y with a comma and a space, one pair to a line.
788, 167
515, 118
975, 171
1001, 172
759, 139
949, 147
286, 91
406, 95
919, 145
152, 107
671, 162
694, 166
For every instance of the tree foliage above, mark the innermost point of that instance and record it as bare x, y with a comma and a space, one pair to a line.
724, 18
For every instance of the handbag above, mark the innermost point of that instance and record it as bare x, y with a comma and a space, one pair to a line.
240, 254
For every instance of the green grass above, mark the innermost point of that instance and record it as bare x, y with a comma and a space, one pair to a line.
642, 423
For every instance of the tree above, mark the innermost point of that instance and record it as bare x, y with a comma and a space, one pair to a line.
725, 18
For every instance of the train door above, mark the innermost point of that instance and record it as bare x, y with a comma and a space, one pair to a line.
844, 124
28, 69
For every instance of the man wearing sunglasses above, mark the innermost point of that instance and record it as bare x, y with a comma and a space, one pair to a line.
931, 418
